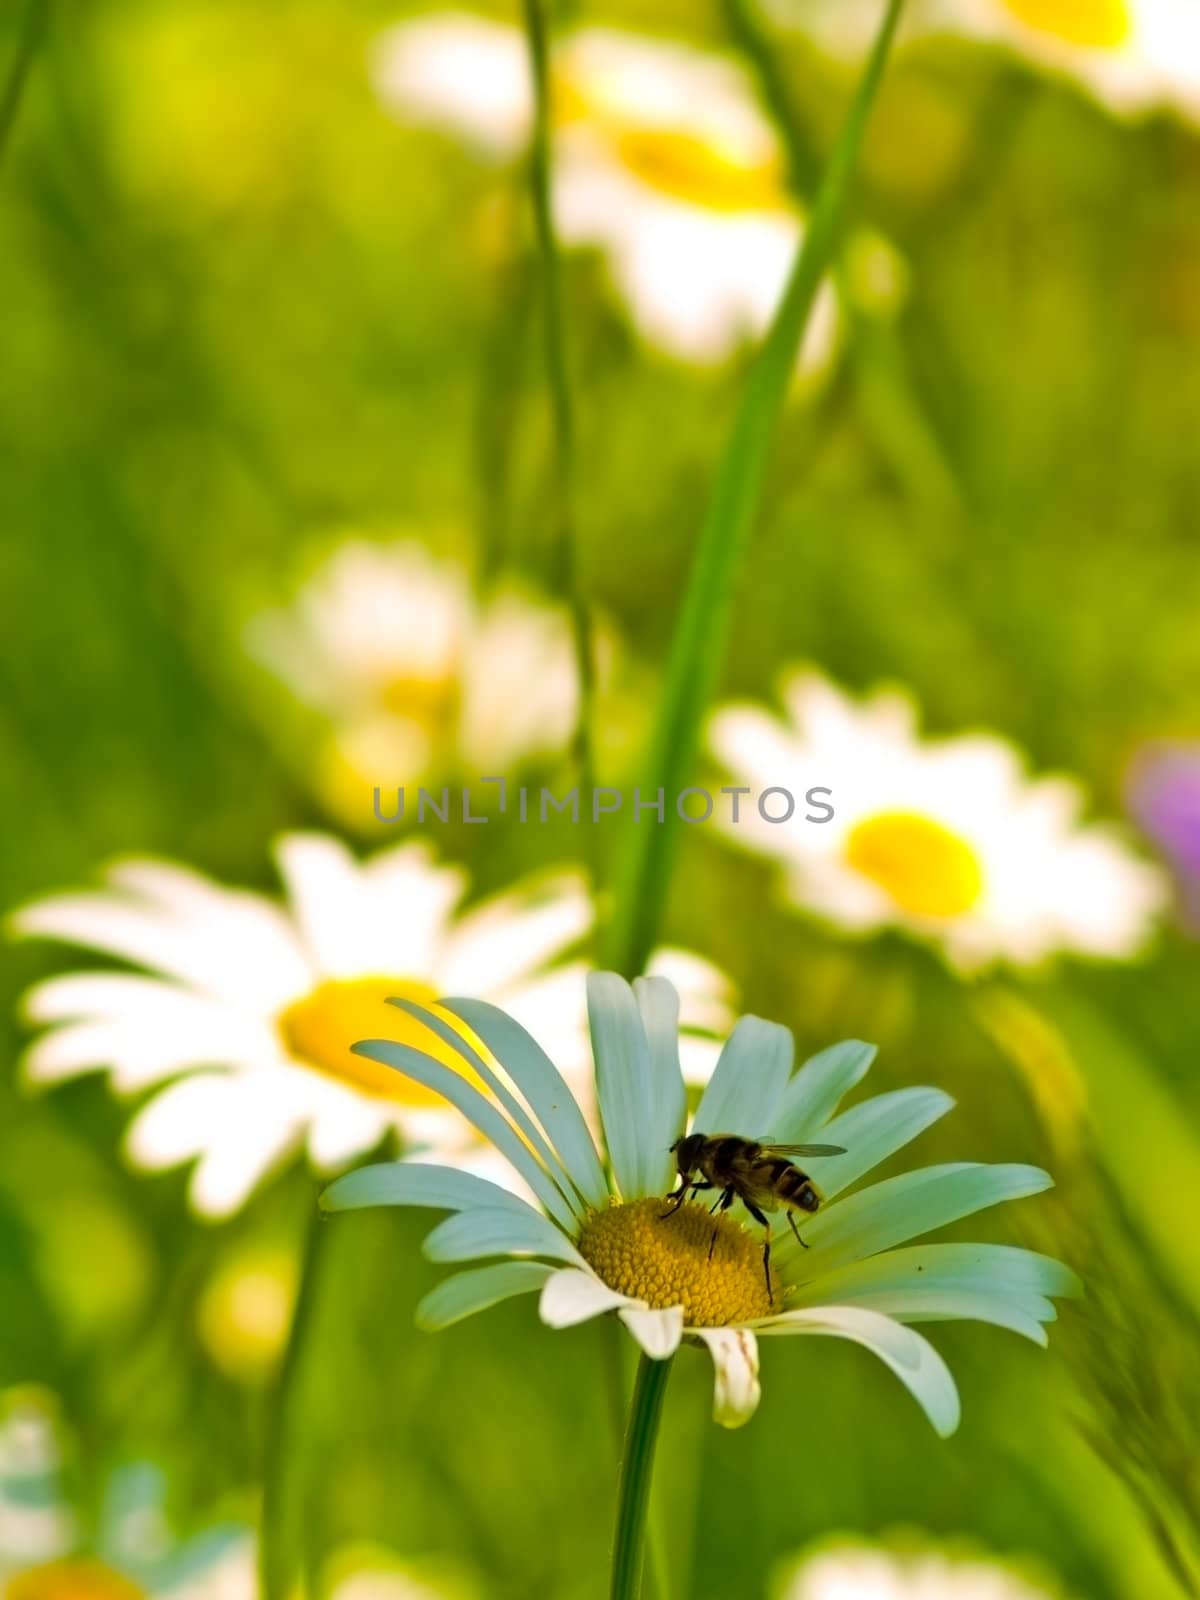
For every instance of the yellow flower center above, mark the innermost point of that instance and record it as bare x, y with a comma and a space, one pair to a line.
927, 870
680, 162
1093, 24
71, 1580
428, 701
665, 1261
690, 168
320, 1028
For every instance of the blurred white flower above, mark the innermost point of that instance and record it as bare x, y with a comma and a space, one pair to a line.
414, 675
249, 1007
866, 1572
1133, 56
368, 1572
663, 161
948, 839
130, 1553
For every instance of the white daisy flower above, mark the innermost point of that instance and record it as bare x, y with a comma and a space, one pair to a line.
1133, 56
130, 1553
947, 839
245, 1009
866, 1572
416, 676
663, 161
604, 1241
369, 1572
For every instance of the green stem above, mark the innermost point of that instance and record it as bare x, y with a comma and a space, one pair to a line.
33, 30
700, 633
637, 1467
277, 1559
747, 32
562, 410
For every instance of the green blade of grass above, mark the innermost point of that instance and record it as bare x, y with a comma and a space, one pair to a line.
33, 28
697, 648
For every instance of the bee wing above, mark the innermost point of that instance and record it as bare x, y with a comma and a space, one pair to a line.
803, 1150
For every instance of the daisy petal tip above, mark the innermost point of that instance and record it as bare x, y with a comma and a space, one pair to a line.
658, 1332
736, 1387
947, 1426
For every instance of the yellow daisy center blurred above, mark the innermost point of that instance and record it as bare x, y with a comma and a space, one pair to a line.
320, 1028
926, 869
676, 161
689, 168
428, 700
665, 1261
1093, 24
71, 1580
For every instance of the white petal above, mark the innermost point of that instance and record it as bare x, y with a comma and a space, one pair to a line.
186, 1118
351, 1127
657, 1331
623, 1082
750, 1078
227, 1175
229, 943
504, 939
457, 72
387, 915
572, 1296
913, 1359
736, 1391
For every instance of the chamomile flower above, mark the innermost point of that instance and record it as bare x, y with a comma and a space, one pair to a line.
414, 676
601, 1240
947, 839
368, 1572
1132, 56
243, 1013
48, 1553
848, 1571
663, 162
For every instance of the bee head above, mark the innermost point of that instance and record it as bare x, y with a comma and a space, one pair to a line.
687, 1151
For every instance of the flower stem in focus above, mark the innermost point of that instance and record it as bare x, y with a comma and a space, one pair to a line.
637, 1466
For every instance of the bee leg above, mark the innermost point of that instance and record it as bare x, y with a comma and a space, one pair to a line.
722, 1203
678, 1196
759, 1217
795, 1231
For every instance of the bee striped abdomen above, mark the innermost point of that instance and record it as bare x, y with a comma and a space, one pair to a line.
796, 1188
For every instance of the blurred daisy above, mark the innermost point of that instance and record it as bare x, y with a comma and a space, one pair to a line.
664, 162
1164, 797
367, 1572
602, 1243
415, 675
45, 1553
249, 1007
866, 1572
1131, 55
948, 839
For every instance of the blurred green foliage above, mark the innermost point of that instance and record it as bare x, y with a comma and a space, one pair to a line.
242, 310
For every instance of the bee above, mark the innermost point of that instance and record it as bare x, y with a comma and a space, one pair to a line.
762, 1176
